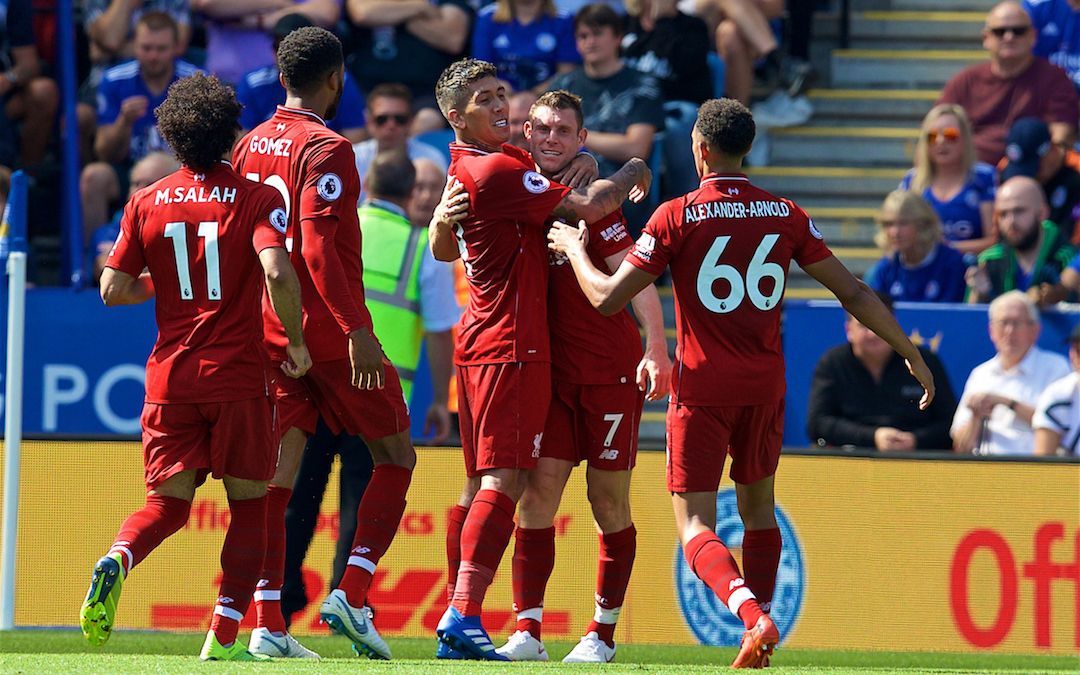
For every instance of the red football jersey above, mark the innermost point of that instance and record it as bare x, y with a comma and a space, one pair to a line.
586, 346
729, 245
200, 236
504, 248
314, 169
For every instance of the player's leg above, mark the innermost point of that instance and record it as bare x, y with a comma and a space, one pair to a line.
455, 520
762, 543
534, 555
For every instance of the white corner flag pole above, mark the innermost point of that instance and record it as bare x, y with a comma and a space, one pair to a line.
13, 229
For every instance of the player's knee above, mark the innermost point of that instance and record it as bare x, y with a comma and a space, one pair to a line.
611, 510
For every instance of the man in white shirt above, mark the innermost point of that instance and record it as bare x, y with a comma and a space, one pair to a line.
1057, 414
389, 115
995, 410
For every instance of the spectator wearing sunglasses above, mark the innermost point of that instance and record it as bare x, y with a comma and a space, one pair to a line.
1013, 84
1029, 152
948, 176
1057, 28
389, 117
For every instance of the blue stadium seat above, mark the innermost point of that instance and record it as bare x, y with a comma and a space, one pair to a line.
441, 139
718, 71
656, 165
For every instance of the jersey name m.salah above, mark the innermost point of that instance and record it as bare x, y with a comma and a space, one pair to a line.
502, 243
200, 236
729, 246
313, 168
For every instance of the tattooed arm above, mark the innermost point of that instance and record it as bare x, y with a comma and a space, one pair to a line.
596, 200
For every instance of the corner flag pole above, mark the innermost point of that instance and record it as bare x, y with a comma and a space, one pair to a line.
13, 229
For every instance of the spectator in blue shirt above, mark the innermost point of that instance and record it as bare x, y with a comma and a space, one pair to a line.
948, 176
126, 99
919, 266
1057, 33
529, 41
260, 91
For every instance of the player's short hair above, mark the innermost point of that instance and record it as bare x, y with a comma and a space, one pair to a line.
155, 21
452, 89
306, 56
597, 16
727, 126
560, 100
391, 174
199, 120
391, 90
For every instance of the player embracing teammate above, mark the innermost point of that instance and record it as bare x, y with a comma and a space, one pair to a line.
729, 245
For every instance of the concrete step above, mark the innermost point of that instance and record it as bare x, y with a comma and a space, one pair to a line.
905, 29
845, 226
795, 182
843, 146
905, 107
899, 68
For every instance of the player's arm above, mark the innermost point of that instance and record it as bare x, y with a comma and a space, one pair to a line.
864, 305
581, 171
637, 141
452, 207
598, 199
283, 288
121, 288
608, 294
654, 371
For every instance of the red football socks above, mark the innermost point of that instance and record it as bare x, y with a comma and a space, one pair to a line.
761, 558
484, 537
617, 551
712, 563
534, 559
268, 591
241, 561
455, 519
144, 530
377, 520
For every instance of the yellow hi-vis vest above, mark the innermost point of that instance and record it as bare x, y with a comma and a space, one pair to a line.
391, 253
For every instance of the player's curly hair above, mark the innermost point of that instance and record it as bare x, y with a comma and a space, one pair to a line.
560, 100
306, 56
727, 126
452, 89
199, 120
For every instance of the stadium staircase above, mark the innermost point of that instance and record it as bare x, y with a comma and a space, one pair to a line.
869, 101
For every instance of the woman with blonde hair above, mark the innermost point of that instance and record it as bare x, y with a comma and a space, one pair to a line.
918, 266
529, 41
949, 177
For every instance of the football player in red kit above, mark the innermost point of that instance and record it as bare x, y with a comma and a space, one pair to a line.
351, 384
729, 245
207, 238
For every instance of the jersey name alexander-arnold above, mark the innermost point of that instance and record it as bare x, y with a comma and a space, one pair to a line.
728, 209
194, 194
264, 145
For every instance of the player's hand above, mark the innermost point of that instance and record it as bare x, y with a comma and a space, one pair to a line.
453, 206
581, 171
299, 361
437, 423
654, 373
368, 371
563, 238
641, 189
922, 373
133, 108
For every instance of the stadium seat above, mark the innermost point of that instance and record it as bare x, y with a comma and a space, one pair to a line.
440, 139
718, 71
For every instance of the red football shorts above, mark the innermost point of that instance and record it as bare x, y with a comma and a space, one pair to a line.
229, 438
594, 422
700, 438
502, 408
327, 390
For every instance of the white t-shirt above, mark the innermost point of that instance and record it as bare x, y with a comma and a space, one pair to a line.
365, 151
1059, 410
1006, 433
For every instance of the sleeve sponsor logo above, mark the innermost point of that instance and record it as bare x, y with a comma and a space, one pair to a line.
644, 247
278, 220
535, 183
330, 187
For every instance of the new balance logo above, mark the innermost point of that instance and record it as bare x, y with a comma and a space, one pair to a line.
610, 453
735, 583
263, 583
361, 550
225, 600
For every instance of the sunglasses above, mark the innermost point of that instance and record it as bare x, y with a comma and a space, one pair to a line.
400, 120
1018, 31
949, 134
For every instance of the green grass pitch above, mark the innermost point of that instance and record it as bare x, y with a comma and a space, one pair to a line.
30, 652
